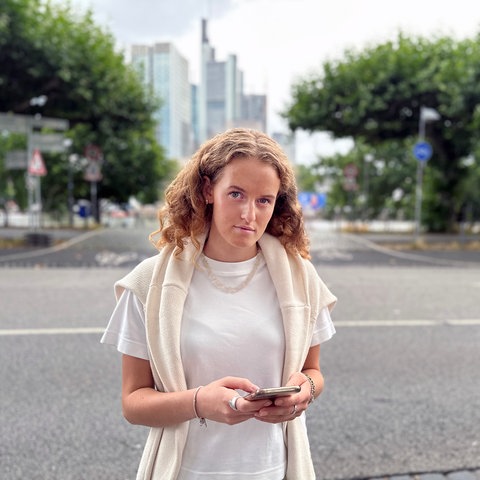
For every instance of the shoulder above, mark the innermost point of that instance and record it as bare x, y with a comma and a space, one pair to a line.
318, 288
138, 279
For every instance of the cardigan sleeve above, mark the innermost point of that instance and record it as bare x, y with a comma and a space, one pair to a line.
137, 280
318, 290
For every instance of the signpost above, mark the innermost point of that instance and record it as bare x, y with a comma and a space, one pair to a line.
422, 151
350, 173
93, 174
37, 142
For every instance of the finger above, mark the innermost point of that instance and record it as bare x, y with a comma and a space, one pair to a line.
238, 383
252, 406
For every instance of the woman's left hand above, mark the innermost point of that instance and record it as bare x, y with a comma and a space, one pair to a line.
290, 407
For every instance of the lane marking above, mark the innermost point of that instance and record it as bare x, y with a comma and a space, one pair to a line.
456, 322
51, 331
56, 248
411, 256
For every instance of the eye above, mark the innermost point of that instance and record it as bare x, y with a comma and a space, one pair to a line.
235, 194
265, 201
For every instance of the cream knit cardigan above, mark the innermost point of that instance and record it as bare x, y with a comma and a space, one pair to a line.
161, 283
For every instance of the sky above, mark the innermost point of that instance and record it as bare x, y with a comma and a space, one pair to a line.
278, 42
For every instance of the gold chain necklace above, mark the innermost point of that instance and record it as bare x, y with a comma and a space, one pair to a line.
217, 283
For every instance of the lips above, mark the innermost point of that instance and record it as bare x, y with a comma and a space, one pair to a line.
246, 229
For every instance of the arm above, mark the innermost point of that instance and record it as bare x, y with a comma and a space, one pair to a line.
311, 368
143, 405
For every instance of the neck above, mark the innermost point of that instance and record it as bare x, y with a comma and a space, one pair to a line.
225, 255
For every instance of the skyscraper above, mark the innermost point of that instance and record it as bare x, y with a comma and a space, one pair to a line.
190, 114
222, 102
163, 69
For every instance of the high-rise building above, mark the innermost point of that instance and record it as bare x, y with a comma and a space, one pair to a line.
189, 114
222, 102
165, 71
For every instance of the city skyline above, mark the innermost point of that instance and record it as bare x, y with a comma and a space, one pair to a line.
279, 41
190, 113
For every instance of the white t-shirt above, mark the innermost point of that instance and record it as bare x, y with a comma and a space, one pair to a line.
224, 334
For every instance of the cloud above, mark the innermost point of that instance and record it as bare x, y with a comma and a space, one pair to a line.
149, 21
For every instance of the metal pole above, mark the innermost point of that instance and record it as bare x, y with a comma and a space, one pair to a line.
418, 199
39, 202
93, 199
30, 178
419, 187
70, 193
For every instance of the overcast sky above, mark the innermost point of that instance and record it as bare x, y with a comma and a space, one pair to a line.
279, 41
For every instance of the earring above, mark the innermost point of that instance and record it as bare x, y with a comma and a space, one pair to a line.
206, 201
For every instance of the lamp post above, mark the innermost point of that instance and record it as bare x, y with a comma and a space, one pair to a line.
422, 152
367, 159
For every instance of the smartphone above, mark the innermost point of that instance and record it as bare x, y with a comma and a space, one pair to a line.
275, 392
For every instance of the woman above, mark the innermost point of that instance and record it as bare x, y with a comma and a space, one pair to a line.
231, 303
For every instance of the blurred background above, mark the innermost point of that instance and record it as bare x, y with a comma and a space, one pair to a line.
375, 104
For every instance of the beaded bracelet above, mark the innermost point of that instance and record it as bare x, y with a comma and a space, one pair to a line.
312, 387
203, 422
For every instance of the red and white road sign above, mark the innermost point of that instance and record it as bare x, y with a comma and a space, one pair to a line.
93, 153
36, 166
93, 172
350, 170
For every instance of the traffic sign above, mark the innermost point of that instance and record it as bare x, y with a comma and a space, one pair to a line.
93, 153
350, 170
312, 200
23, 123
16, 160
93, 172
422, 151
14, 123
36, 167
48, 142
350, 184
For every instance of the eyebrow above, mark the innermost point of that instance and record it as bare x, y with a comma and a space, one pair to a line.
236, 187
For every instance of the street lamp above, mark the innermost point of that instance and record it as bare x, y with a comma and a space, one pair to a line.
39, 101
422, 151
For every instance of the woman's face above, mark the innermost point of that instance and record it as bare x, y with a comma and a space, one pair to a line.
243, 199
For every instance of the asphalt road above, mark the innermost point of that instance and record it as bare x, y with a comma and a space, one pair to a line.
402, 391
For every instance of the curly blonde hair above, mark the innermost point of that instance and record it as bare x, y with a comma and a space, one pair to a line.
185, 214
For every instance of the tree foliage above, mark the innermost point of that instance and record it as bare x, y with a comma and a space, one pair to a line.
375, 96
48, 49
384, 186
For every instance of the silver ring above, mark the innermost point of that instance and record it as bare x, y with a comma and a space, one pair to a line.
294, 410
233, 403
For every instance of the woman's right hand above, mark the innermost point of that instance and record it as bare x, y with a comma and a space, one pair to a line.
213, 399
144, 405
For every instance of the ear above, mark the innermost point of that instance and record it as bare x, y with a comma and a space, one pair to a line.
207, 189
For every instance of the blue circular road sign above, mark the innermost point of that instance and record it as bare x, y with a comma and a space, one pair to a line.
422, 151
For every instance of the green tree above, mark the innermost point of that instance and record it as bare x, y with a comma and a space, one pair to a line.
384, 185
48, 49
375, 96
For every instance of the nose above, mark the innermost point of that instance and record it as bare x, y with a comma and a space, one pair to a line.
248, 212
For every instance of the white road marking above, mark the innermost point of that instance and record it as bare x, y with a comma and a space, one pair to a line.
51, 331
457, 322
